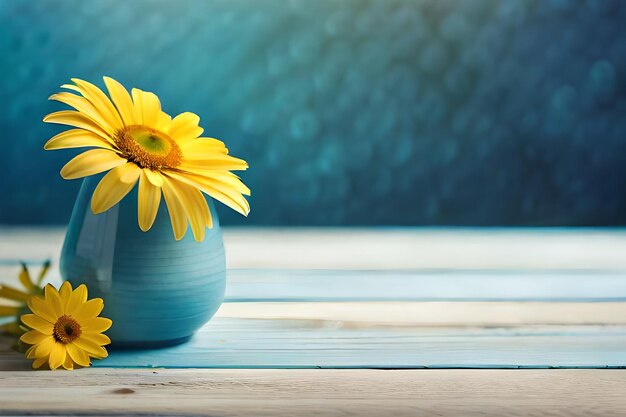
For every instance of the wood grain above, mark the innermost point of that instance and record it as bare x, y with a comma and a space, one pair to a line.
250, 285
330, 298
392, 335
384, 248
446, 314
314, 393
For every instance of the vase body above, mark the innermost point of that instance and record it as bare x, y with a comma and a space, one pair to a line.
156, 290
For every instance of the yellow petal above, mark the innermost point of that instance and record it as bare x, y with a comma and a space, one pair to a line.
89, 310
77, 138
77, 354
96, 324
195, 206
100, 101
69, 363
53, 299
24, 278
72, 87
215, 161
137, 105
178, 216
43, 309
9, 311
91, 162
218, 191
42, 273
226, 179
114, 186
148, 106
33, 337
122, 100
43, 348
84, 106
148, 201
97, 338
39, 362
164, 122
184, 128
57, 355
129, 173
205, 213
203, 148
77, 119
30, 352
37, 323
13, 293
78, 297
94, 350
65, 291
154, 177
230, 198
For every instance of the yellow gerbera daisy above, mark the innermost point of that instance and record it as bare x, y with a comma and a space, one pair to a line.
137, 142
18, 297
66, 330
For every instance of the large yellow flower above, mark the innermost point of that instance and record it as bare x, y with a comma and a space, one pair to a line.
135, 141
66, 330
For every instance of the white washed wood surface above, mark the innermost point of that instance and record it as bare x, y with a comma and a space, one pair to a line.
555, 253
295, 393
384, 248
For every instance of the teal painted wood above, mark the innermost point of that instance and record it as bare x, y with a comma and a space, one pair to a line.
252, 285
157, 290
253, 343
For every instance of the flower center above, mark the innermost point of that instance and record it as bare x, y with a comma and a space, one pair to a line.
66, 329
148, 147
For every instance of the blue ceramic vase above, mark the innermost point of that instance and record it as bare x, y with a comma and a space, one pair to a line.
158, 291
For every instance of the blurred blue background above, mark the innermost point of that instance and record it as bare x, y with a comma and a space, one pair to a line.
349, 112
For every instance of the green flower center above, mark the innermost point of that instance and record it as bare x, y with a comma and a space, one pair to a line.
147, 147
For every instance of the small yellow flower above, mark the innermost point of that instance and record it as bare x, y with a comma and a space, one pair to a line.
136, 142
18, 298
66, 330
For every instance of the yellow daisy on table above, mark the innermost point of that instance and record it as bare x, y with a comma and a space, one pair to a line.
66, 330
18, 297
136, 142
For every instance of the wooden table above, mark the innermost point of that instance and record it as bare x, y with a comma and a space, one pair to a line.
372, 310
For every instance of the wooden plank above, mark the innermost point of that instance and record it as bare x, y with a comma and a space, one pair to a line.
404, 314
341, 285
160, 392
241, 343
348, 334
427, 248
409, 263
423, 264
392, 335
384, 248
250, 285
